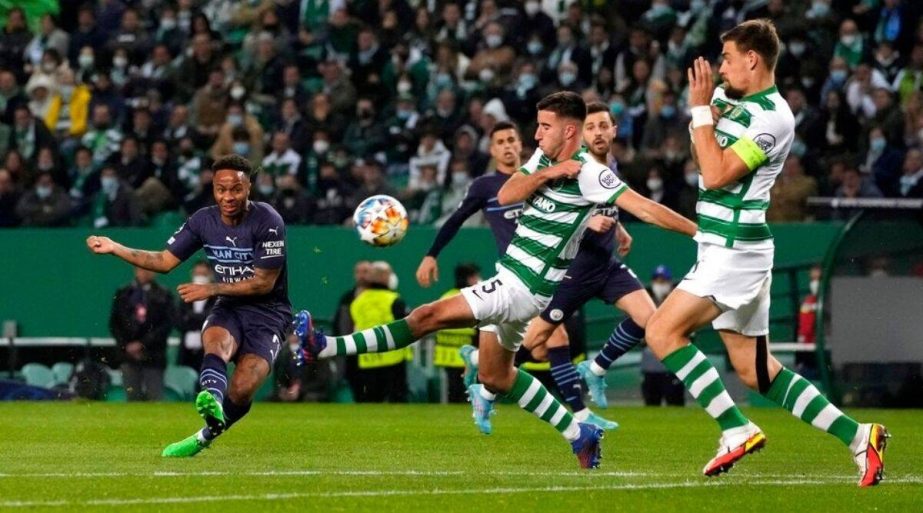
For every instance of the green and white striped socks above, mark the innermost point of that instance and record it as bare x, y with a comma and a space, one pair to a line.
702, 381
533, 397
804, 400
378, 339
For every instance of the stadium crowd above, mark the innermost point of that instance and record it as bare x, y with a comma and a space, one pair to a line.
111, 111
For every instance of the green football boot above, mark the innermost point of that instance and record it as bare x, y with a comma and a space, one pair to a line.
212, 411
185, 448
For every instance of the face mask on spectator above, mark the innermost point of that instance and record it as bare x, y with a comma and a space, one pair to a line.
43, 191
85, 60
238, 92
48, 67
797, 48
527, 81
321, 146
654, 184
567, 78
493, 40
109, 184
849, 39
235, 119
616, 108
838, 75
45, 166
819, 9
532, 8
200, 280
535, 47
696, 5
486, 75
877, 145
661, 290
459, 178
692, 179
241, 148
67, 91
443, 80
668, 111
168, 24
265, 189
403, 114
807, 82
798, 147
404, 87
120, 61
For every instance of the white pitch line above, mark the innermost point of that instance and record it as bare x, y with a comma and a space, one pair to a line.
271, 473
397, 493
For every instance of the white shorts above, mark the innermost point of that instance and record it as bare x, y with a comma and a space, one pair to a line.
738, 282
503, 304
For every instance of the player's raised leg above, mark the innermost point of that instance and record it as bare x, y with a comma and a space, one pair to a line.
759, 370
667, 337
553, 338
640, 307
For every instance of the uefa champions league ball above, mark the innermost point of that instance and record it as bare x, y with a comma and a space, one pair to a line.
381, 220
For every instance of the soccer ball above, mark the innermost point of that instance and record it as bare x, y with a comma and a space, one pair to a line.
381, 220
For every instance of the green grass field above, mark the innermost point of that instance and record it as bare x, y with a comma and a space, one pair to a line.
310, 457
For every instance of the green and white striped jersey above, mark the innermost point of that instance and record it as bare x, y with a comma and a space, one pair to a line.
759, 128
553, 221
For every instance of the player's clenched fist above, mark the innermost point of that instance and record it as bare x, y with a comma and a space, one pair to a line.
100, 245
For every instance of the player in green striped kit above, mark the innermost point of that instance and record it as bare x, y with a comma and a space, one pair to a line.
562, 185
740, 157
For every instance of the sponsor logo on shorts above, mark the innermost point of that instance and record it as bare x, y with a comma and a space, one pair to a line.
556, 314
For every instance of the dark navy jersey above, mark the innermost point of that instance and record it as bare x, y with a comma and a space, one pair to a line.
235, 252
482, 195
601, 242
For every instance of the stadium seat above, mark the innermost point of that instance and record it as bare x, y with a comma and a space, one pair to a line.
38, 375
62, 372
182, 380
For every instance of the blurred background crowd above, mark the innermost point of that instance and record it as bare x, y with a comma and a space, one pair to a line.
112, 110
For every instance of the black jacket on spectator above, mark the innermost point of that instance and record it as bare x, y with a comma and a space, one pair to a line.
122, 209
8, 204
190, 320
6, 114
12, 49
51, 211
145, 314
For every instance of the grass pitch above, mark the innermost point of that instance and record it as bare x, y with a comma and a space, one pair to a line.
311, 457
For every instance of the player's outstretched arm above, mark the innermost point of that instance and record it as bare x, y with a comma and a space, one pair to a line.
719, 167
262, 283
474, 200
654, 213
157, 261
520, 186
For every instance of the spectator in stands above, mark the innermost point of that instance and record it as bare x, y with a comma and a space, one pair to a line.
688, 194
322, 117
492, 64
854, 186
910, 77
282, 161
9, 198
193, 71
888, 116
364, 136
372, 181
14, 38
294, 126
431, 152
210, 104
49, 36
191, 318
883, 162
292, 202
911, 181
131, 165
334, 196
339, 90
238, 118
45, 204
87, 35
29, 133
69, 118
659, 385
142, 317
790, 193
568, 50
841, 130
115, 203
11, 95
103, 138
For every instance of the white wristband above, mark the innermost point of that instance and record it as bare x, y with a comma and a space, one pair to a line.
701, 116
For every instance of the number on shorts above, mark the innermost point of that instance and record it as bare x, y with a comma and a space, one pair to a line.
492, 286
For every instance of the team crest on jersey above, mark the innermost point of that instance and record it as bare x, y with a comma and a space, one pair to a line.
766, 142
556, 315
608, 179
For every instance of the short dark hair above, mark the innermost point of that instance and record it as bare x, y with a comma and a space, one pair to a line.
233, 162
594, 107
502, 125
463, 272
565, 104
757, 35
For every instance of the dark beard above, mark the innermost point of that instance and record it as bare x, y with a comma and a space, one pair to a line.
730, 92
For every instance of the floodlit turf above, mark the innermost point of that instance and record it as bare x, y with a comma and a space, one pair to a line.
309, 457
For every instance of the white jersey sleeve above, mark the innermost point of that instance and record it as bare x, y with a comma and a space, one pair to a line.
767, 139
532, 165
598, 183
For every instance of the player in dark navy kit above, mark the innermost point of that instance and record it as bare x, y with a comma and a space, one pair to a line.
244, 243
505, 149
595, 273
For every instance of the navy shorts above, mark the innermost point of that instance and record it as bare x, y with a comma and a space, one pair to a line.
257, 330
588, 278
